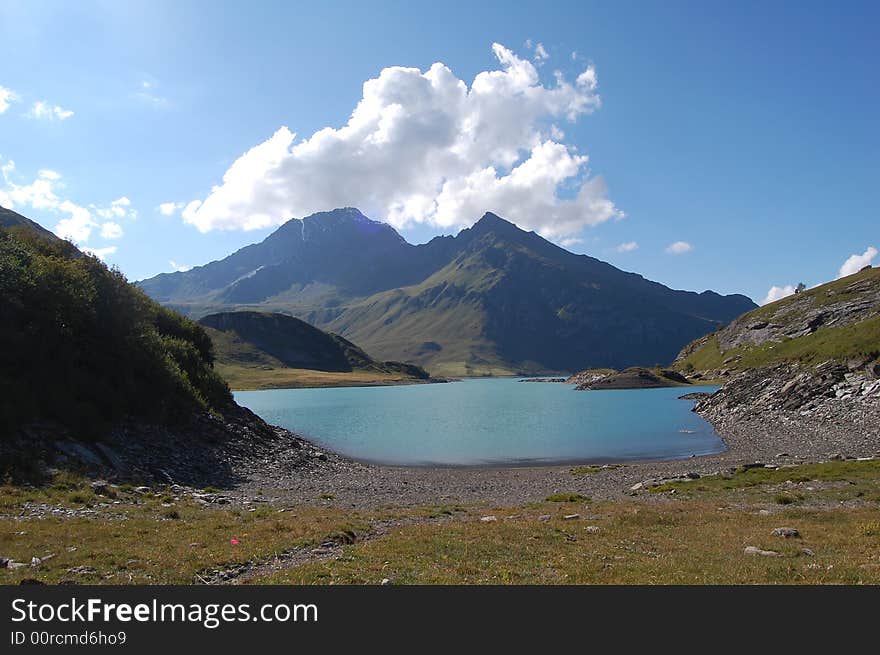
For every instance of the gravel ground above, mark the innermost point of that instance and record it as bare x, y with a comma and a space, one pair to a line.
772, 437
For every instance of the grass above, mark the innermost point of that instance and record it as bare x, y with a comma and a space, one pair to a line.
695, 536
829, 482
592, 469
144, 542
566, 498
690, 542
861, 339
242, 378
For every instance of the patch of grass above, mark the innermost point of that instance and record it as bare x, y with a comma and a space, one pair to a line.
871, 529
78, 498
867, 472
689, 543
566, 498
784, 499
251, 378
594, 468
861, 339
694, 537
150, 544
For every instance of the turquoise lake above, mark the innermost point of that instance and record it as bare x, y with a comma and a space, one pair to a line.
496, 421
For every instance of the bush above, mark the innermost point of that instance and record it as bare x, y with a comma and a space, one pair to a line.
81, 346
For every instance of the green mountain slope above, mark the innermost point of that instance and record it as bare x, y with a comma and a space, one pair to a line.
511, 302
837, 321
256, 350
12, 220
81, 347
494, 299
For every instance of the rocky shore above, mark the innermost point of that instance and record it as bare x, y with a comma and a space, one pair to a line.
758, 429
770, 418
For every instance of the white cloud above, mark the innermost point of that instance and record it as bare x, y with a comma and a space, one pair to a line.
169, 208
679, 248
855, 263
571, 242
777, 293
629, 246
44, 110
111, 230
77, 222
423, 147
119, 208
146, 94
180, 268
541, 54
7, 97
101, 253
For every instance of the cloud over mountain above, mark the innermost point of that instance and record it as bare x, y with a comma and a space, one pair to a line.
856, 262
77, 222
423, 147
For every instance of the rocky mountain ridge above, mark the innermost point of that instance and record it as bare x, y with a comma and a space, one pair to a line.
493, 299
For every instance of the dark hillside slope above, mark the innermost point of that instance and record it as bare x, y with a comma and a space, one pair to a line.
277, 341
82, 347
97, 377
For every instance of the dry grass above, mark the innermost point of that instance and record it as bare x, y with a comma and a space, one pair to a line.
684, 543
695, 535
242, 378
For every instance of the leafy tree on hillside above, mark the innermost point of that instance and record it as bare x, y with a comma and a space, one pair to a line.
81, 346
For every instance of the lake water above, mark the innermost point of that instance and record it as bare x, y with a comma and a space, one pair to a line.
490, 421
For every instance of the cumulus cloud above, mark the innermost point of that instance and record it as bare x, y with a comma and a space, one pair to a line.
101, 253
169, 208
77, 222
629, 246
146, 93
7, 97
180, 268
423, 147
679, 248
541, 54
856, 262
119, 208
43, 110
111, 230
777, 293
570, 242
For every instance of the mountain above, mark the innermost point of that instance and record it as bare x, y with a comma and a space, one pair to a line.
263, 350
11, 219
81, 346
838, 321
95, 376
494, 299
809, 361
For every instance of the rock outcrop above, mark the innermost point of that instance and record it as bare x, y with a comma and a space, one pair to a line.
636, 378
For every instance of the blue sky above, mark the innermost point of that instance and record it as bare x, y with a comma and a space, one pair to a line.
747, 131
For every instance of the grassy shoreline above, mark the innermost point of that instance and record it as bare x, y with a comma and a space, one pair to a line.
241, 378
683, 533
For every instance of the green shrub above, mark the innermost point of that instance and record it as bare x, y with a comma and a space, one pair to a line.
565, 498
81, 346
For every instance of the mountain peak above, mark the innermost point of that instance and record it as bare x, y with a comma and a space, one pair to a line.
489, 219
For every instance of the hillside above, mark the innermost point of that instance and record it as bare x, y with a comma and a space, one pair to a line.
95, 375
837, 321
11, 219
809, 362
260, 350
492, 300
